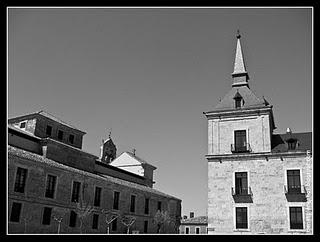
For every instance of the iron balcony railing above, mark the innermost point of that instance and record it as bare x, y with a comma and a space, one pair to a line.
295, 189
240, 148
241, 191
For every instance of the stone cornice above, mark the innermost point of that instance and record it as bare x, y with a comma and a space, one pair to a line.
265, 155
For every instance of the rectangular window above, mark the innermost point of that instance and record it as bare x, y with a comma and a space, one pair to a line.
20, 182
197, 230
296, 221
187, 230
241, 183
240, 140
241, 218
145, 227
51, 184
238, 102
60, 135
49, 130
293, 178
73, 219
46, 217
146, 206
15, 212
97, 196
159, 206
114, 224
23, 125
75, 192
95, 220
133, 204
116, 196
71, 138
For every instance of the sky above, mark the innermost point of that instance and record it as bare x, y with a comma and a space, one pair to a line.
148, 74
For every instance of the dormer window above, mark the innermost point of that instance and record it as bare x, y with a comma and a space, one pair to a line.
292, 143
238, 101
23, 125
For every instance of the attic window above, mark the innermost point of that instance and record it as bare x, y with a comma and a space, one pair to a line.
292, 143
238, 101
23, 125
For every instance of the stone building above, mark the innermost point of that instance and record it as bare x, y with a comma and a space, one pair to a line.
194, 225
259, 182
56, 187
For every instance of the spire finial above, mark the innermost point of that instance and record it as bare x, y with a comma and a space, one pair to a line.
238, 34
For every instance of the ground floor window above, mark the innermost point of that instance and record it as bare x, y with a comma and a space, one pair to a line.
197, 230
46, 216
145, 228
241, 218
114, 225
15, 212
296, 221
187, 230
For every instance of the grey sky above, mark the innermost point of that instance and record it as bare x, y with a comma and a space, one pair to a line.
150, 73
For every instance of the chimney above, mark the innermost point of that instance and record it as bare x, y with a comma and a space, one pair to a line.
191, 214
288, 131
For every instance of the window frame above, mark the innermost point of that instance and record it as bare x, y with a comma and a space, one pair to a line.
114, 225
95, 194
234, 179
296, 204
79, 192
235, 229
145, 226
49, 126
25, 124
133, 205
43, 213
62, 132
74, 225
146, 205
118, 200
69, 138
185, 229
25, 180
20, 212
55, 185
159, 202
195, 230
95, 221
286, 178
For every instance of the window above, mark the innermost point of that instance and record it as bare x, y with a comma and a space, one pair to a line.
114, 224
97, 196
95, 220
51, 184
23, 125
292, 144
146, 206
73, 219
116, 200
296, 221
20, 182
15, 212
293, 178
145, 227
238, 102
241, 183
159, 206
49, 130
46, 217
133, 203
187, 230
241, 218
60, 135
240, 140
71, 138
75, 192
197, 230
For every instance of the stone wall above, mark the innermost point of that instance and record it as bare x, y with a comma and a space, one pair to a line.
268, 211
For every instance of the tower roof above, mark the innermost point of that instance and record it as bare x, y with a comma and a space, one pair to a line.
240, 75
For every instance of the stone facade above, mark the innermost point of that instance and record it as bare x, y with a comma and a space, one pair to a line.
44, 157
260, 202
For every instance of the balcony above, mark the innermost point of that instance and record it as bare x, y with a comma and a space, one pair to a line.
295, 193
242, 195
245, 148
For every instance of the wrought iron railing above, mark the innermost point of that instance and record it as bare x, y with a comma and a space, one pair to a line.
240, 148
241, 191
295, 189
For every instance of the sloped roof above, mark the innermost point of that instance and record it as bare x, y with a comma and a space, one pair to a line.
250, 99
196, 220
139, 159
38, 158
278, 142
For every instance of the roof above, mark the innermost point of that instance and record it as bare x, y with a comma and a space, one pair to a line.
10, 126
50, 116
196, 220
239, 66
278, 142
250, 99
139, 159
45, 161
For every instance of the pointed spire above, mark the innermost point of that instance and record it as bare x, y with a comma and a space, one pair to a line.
239, 75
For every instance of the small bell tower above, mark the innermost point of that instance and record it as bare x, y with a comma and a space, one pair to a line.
108, 150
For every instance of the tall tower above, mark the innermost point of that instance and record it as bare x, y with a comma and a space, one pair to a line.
108, 150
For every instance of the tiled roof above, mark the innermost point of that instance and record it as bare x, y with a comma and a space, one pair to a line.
250, 99
278, 142
196, 220
139, 159
38, 158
